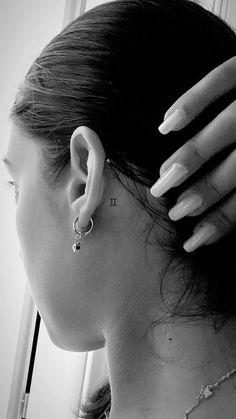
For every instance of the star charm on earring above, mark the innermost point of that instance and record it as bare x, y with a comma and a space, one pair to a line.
76, 246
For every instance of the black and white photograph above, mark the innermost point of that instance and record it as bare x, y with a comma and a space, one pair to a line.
118, 209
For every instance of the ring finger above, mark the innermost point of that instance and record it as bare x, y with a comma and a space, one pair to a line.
207, 191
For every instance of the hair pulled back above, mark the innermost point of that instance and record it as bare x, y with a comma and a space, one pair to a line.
117, 69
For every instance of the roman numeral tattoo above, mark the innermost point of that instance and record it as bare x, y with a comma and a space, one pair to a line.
113, 202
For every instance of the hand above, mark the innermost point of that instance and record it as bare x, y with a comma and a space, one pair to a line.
217, 135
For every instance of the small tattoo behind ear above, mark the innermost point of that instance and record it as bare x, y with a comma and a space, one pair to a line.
113, 202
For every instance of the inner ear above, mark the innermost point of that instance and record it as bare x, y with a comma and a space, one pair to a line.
83, 154
82, 189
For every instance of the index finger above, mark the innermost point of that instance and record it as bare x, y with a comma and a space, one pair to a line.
216, 83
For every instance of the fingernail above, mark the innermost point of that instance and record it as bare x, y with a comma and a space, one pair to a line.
172, 121
185, 207
169, 178
200, 237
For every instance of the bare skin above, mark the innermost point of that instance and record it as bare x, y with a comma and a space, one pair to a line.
108, 294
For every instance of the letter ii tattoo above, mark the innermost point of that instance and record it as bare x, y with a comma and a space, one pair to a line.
113, 202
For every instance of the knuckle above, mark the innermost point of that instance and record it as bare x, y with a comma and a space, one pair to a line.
224, 216
194, 158
224, 220
211, 188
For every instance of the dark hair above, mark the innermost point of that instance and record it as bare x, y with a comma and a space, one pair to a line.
117, 69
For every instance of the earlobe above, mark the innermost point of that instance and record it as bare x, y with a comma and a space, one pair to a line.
87, 164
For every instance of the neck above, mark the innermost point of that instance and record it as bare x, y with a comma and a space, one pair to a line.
165, 385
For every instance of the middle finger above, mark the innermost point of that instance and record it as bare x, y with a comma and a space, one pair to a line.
218, 134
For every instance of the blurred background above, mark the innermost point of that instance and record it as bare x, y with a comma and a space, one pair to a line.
38, 379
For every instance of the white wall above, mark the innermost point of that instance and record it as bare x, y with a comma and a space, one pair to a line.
90, 4
230, 13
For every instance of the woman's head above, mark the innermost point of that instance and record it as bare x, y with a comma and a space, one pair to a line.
115, 70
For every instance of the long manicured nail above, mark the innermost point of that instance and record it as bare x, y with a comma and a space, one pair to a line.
185, 207
169, 178
172, 121
199, 237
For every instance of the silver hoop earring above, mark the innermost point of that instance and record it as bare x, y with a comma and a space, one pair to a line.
80, 234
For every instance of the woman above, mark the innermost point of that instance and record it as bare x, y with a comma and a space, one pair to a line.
84, 152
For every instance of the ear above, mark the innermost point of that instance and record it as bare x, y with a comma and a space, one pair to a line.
87, 164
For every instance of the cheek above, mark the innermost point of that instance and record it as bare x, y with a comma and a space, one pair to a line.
36, 237
41, 255
48, 260
66, 287
29, 225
